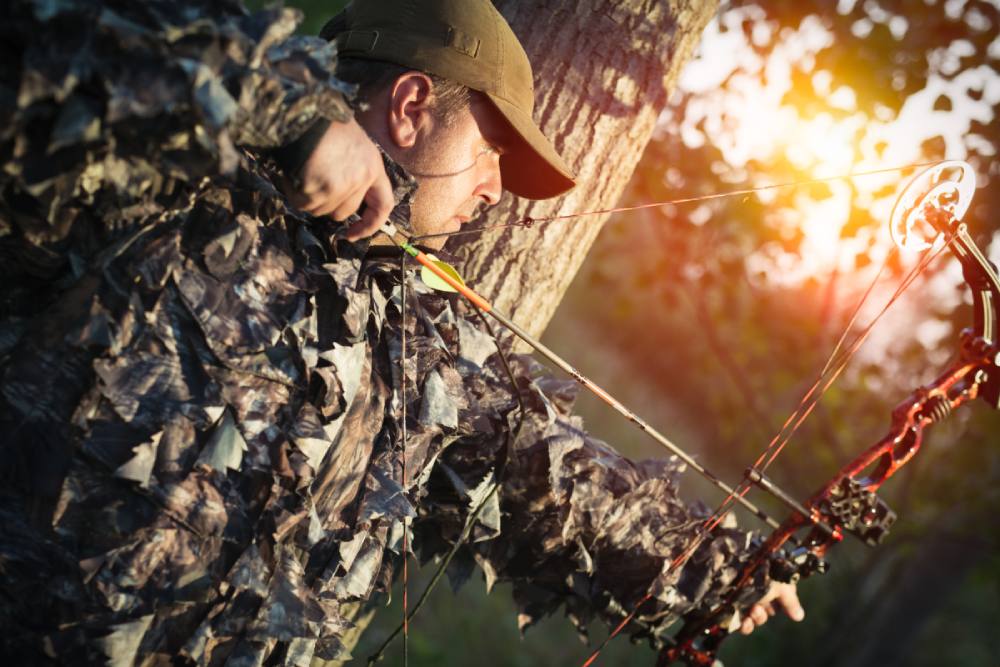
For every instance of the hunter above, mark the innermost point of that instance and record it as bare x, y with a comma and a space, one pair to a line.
206, 374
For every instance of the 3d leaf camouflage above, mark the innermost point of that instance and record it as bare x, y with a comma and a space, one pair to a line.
200, 386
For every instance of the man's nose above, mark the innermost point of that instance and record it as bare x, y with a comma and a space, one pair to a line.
491, 185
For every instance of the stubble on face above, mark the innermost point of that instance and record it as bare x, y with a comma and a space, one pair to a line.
452, 165
440, 163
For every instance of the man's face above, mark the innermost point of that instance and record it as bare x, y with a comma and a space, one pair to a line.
457, 167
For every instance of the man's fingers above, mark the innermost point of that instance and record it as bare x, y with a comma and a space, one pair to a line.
344, 170
322, 204
328, 204
370, 222
347, 206
379, 197
378, 204
790, 601
313, 204
295, 198
786, 597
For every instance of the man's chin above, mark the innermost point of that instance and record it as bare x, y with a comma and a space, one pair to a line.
434, 236
435, 243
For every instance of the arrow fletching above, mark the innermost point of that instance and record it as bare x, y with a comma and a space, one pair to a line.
436, 283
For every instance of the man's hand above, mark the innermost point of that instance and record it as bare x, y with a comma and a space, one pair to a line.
782, 593
344, 171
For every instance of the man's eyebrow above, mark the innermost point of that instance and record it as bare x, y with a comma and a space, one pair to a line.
497, 131
501, 135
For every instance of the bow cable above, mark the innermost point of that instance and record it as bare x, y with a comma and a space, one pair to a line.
406, 519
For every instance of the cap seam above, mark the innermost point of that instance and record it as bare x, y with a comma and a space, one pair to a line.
499, 85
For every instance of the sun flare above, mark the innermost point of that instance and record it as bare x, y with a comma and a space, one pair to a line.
762, 111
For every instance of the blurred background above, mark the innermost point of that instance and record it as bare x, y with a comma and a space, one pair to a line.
711, 320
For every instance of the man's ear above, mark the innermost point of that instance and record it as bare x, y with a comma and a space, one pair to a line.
409, 113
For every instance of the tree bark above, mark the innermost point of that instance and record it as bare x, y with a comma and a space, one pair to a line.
603, 71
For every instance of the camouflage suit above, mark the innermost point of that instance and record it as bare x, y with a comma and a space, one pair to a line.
201, 403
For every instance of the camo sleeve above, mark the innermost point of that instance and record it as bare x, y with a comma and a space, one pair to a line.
110, 109
572, 524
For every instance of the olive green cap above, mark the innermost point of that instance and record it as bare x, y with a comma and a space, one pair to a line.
470, 43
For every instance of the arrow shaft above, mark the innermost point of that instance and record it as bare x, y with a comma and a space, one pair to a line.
583, 380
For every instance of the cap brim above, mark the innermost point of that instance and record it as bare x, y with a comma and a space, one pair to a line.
531, 168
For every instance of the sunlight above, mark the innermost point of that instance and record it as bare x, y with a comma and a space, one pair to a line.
823, 146
754, 118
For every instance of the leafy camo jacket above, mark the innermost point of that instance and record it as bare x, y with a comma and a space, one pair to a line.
202, 390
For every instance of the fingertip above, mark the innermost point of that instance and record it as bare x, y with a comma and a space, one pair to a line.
375, 217
380, 203
362, 229
372, 220
320, 211
383, 184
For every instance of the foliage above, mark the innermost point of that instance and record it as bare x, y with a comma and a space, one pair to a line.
315, 13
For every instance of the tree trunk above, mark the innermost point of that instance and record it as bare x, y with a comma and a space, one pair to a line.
603, 71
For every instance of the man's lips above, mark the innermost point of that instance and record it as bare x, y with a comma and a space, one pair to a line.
457, 221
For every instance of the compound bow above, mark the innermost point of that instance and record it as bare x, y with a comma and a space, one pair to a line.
931, 207
934, 202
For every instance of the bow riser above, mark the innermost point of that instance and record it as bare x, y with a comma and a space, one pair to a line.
926, 406
846, 504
